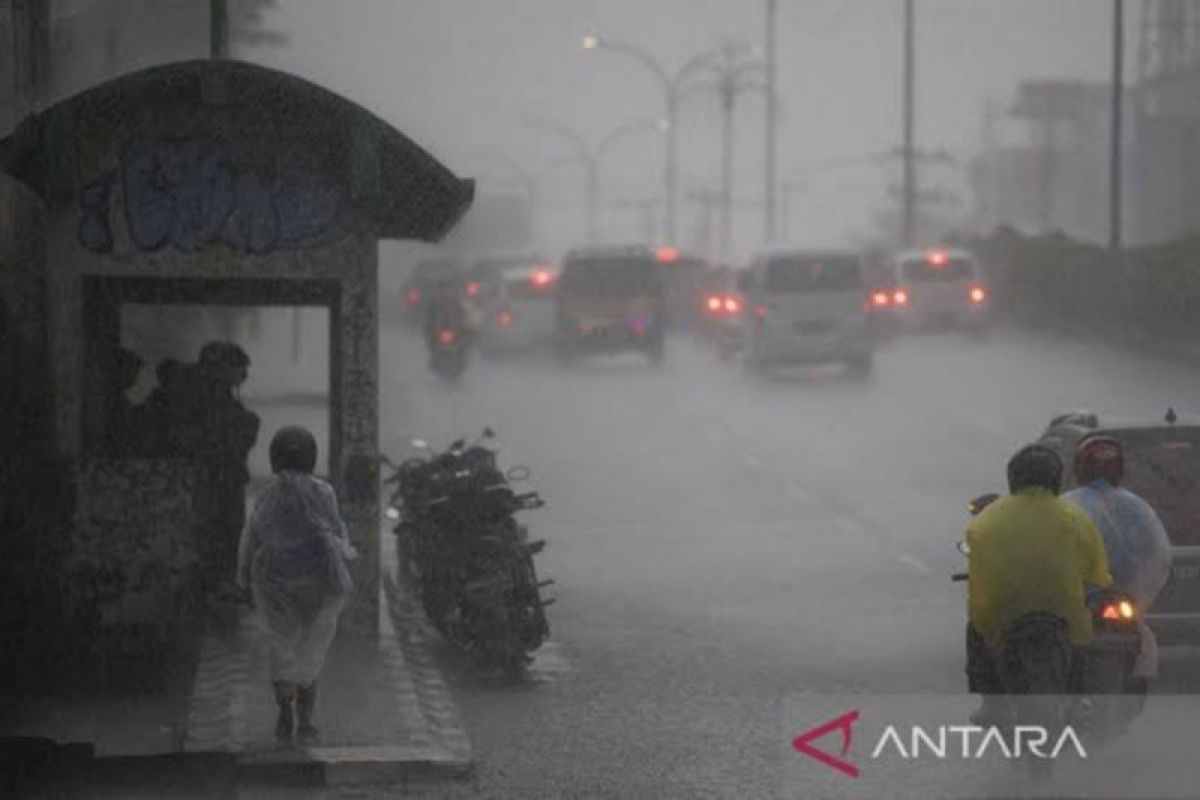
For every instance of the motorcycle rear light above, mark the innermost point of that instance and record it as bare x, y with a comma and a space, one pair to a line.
413, 297
900, 297
446, 337
472, 288
1117, 611
542, 278
977, 295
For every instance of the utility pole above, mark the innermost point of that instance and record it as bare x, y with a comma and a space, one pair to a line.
218, 37
772, 123
1114, 166
910, 179
727, 102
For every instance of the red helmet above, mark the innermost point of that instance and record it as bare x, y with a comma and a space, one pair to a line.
1099, 457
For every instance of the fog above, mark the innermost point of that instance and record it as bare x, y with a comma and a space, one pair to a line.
756, 452
461, 78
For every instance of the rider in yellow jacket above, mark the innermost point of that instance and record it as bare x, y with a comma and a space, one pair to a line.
1029, 552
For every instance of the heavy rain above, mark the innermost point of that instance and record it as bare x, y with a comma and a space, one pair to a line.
599, 398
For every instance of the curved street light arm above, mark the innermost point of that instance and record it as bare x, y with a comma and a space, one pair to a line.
638, 53
621, 132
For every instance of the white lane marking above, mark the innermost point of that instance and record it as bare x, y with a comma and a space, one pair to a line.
913, 561
752, 460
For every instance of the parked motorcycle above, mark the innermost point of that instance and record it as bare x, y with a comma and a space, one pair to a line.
465, 555
1050, 684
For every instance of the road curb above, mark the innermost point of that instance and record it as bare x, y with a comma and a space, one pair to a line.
436, 704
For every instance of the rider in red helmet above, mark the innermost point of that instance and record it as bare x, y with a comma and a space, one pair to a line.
1139, 552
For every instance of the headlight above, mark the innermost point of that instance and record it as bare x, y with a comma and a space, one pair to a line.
393, 513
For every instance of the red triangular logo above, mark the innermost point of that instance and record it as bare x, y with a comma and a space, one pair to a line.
844, 723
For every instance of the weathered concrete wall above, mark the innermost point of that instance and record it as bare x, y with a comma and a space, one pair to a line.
24, 377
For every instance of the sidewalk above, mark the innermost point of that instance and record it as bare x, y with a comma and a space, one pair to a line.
383, 712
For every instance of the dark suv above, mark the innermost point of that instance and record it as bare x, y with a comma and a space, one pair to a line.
610, 300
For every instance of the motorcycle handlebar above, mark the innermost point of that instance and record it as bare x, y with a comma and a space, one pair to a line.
958, 577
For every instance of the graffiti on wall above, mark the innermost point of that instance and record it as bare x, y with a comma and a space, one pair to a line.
190, 195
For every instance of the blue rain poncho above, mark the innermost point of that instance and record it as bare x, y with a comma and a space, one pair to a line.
294, 553
1139, 552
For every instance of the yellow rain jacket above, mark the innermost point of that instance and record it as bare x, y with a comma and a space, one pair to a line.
1033, 552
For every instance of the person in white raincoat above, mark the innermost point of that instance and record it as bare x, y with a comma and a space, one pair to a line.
1139, 552
294, 553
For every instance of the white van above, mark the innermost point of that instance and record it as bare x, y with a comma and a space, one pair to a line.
806, 306
939, 287
520, 315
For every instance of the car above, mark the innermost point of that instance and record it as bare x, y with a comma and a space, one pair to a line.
940, 287
485, 274
610, 299
521, 317
415, 289
1162, 466
722, 310
807, 306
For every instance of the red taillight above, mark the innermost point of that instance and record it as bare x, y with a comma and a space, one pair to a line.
667, 254
938, 258
880, 300
505, 317
542, 278
447, 337
900, 297
413, 297
732, 305
472, 288
714, 303
977, 295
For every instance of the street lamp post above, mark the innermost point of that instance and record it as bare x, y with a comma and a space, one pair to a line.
590, 158
735, 72
672, 85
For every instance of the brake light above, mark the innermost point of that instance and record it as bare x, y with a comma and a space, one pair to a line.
1122, 610
938, 258
714, 303
900, 297
667, 254
472, 288
880, 299
760, 311
977, 294
542, 278
447, 337
505, 317
732, 305
413, 296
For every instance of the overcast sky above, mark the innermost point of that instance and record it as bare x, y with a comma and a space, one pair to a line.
459, 76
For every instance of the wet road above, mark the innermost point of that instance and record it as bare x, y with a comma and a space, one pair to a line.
723, 541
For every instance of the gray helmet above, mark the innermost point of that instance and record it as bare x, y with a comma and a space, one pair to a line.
293, 448
1035, 465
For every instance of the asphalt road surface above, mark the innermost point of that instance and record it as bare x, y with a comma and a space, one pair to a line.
723, 542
